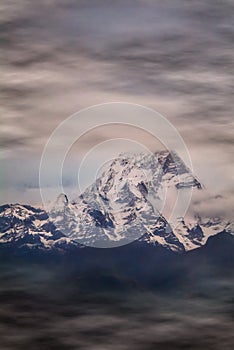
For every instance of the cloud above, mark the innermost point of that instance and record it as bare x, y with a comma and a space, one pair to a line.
207, 205
65, 55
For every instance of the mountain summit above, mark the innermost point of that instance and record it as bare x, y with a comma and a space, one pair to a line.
128, 202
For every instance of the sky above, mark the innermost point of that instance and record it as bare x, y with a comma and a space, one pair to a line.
61, 56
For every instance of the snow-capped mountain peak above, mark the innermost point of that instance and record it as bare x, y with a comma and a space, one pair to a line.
124, 204
23, 226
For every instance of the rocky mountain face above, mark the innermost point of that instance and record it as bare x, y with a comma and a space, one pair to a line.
26, 227
123, 205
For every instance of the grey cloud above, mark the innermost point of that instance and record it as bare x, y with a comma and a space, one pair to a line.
47, 307
61, 56
210, 205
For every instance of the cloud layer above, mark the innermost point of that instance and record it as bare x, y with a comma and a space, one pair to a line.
61, 56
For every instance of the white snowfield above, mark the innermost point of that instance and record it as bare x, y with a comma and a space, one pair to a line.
128, 202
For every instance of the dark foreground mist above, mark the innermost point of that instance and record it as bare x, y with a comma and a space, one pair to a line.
65, 304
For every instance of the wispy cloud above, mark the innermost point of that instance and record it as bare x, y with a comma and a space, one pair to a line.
61, 56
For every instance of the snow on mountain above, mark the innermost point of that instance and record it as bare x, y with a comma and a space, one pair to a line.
23, 226
124, 204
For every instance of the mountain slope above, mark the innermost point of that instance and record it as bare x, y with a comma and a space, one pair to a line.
126, 203
123, 205
26, 227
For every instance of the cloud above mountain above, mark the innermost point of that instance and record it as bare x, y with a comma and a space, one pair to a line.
61, 56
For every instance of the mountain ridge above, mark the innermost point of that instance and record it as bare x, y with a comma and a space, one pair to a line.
117, 209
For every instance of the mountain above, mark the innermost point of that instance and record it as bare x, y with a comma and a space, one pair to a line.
26, 227
123, 205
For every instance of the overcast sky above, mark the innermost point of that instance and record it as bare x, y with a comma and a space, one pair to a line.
175, 56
